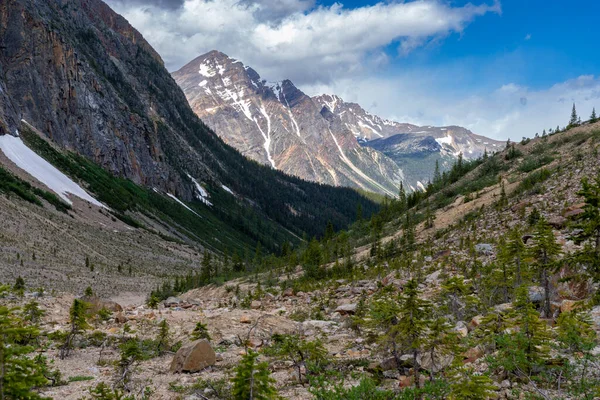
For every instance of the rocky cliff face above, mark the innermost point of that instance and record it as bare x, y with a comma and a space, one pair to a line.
278, 125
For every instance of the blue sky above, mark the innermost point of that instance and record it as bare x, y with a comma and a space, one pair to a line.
503, 69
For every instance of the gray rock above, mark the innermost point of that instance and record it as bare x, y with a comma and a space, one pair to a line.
536, 294
346, 309
484, 248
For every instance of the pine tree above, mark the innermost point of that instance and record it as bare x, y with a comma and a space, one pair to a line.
20, 374
252, 380
429, 217
78, 324
130, 355
512, 253
437, 176
200, 332
545, 251
590, 223
466, 385
402, 201
163, 338
32, 312
206, 267
593, 117
574, 121
19, 286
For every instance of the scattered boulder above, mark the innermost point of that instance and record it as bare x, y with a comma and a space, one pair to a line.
573, 213
461, 328
475, 322
434, 277
347, 309
289, 292
97, 304
120, 318
172, 302
245, 319
557, 222
484, 248
255, 305
194, 357
569, 305
436, 363
536, 294
473, 353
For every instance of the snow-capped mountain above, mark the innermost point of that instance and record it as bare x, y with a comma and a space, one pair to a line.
415, 149
323, 138
278, 125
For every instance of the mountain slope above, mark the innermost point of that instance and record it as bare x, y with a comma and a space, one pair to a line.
280, 126
79, 74
415, 149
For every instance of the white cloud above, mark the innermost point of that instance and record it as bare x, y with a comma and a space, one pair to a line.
508, 111
528, 36
293, 39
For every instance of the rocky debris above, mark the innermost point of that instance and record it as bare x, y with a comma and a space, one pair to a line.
473, 353
193, 357
172, 302
484, 248
255, 305
461, 328
97, 304
434, 278
289, 292
569, 305
120, 318
245, 319
557, 222
536, 294
347, 309
436, 362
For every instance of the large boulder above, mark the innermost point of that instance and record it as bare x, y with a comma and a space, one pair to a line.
346, 309
96, 304
194, 357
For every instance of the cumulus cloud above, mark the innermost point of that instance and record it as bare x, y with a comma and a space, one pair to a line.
507, 111
294, 38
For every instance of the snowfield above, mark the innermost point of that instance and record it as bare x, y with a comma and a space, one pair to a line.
42, 170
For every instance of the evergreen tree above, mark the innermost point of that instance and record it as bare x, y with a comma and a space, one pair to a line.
437, 176
20, 374
252, 380
512, 253
413, 322
467, 385
574, 121
429, 217
545, 252
589, 256
130, 355
200, 332
78, 324
402, 201
32, 312
163, 338
525, 347
308, 356
19, 285
206, 270
593, 117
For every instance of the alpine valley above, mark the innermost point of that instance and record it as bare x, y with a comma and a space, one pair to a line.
321, 138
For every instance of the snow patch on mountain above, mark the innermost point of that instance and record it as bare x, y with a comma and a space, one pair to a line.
202, 194
182, 203
29, 161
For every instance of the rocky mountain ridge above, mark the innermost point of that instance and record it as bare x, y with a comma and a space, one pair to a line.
323, 138
278, 125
